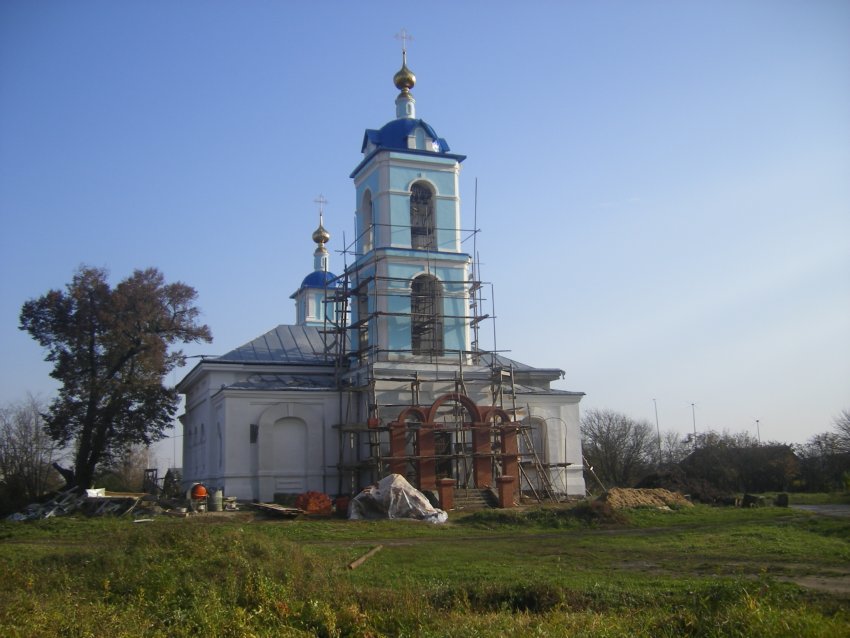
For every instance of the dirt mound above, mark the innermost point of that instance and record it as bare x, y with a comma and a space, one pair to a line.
676, 480
620, 498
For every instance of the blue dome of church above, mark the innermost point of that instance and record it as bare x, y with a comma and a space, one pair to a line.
318, 279
394, 134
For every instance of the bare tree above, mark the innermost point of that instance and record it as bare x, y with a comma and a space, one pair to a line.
674, 448
127, 471
822, 463
842, 431
27, 453
619, 448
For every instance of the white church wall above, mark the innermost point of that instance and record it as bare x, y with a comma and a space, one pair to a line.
217, 429
560, 413
293, 446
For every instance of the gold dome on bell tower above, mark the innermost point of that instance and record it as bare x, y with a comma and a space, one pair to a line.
404, 79
320, 235
405, 105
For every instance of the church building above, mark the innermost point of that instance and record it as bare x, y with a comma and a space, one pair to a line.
382, 370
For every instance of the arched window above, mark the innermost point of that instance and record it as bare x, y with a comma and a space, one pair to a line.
535, 441
368, 230
422, 217
291, 455
426, 307
533, 452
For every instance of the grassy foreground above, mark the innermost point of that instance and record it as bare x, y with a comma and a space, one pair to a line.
543, 572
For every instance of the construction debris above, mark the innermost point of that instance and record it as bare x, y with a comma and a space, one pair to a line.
111, 503
357, 563
315, 503
93, 502
621, 498
101, 502
278, 510
63, 503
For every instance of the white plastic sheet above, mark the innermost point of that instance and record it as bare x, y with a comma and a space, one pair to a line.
394, 497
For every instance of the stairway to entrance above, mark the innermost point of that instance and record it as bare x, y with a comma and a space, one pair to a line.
473, 498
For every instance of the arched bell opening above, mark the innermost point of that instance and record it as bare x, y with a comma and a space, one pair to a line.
422, 217
426, 309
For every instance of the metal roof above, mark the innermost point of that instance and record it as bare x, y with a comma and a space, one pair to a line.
393, 135
284, 344
304, 345
286, 382
319, 279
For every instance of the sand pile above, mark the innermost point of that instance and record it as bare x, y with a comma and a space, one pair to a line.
620, 498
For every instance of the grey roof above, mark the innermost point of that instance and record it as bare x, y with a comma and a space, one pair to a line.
286, 382
304, 345
285, 344
528, 389
519, 367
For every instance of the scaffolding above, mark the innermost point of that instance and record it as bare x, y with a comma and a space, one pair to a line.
380, 399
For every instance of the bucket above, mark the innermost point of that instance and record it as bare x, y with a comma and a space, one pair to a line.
217, 501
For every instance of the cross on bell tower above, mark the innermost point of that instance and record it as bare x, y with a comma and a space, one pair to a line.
413, 302
321, 237
312, 304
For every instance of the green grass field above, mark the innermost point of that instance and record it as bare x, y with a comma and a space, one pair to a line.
540, 572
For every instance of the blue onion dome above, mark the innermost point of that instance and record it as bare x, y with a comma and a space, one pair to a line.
318, 279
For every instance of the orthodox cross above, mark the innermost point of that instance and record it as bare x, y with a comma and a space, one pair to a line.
321, 201
404, 36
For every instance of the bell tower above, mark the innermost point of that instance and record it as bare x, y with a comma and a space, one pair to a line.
410, 276
314, 306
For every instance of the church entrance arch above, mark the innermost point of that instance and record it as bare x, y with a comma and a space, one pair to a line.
453, 438
289, 450
289, 445
453, 416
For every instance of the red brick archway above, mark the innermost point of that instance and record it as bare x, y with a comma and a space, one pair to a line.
483, 422
472, 407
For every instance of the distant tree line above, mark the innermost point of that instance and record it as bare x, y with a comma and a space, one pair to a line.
825, 458
27, 454
623, 452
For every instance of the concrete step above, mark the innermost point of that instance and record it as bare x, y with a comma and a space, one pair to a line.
473, 498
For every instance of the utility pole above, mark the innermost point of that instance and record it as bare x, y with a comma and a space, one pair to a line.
758, 431
694, 415
658, 430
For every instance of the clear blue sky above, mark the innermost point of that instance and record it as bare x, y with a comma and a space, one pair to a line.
664, 187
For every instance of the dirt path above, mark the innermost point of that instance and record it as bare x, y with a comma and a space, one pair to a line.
833, 509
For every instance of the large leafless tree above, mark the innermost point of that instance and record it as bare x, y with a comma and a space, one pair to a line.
619, 449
